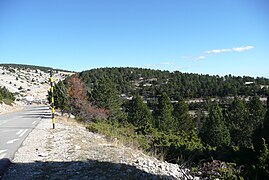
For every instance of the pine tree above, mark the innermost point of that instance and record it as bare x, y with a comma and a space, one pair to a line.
184, 121
256, 112
61, 97
164, 119
265, 128
262, 131
199, 120
263, 161
138, 112
214, 132
239, 126
105, 95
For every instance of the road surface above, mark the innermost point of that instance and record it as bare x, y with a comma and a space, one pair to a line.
14, 128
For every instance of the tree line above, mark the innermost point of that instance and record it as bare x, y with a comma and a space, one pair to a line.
151, 83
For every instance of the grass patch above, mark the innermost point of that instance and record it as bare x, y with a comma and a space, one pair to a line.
123, 133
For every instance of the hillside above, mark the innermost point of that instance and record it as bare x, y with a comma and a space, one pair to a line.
151, 83
32, 67
28, 83
152, 109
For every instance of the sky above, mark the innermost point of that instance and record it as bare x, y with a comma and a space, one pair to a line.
216, 37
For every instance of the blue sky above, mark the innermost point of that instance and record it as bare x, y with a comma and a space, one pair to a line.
209, 37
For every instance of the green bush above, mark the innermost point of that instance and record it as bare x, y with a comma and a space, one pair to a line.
8, 101
124, 133
170, 146
6, 96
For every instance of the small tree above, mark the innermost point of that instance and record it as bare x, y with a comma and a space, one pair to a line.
106, 96
77, 93
239, 126
262, 168
138, 112
79, 102
61, 96
214, 132
256, 112
262, 131
183, 120
164, 119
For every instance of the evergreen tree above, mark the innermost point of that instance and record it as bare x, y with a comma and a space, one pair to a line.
105, 95
61, 97
183, 120
239, 125
262, 167
265, 127
199, 120
138, 112
214, 132
256, 112
262, 131
164, 119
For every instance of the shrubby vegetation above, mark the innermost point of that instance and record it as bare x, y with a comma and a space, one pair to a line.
6, 96
157, 119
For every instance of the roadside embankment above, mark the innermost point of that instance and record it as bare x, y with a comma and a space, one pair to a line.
71, 152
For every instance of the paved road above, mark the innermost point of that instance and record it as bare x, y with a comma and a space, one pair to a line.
14, 128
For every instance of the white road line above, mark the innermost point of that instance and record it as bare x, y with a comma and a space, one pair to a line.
20, 131
2, 155
34, 122
23, 132
2, 151
12, 141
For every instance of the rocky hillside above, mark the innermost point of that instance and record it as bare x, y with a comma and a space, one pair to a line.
29, 83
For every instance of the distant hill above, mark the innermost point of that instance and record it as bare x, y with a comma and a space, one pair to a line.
32, 67
28, 82
151, 83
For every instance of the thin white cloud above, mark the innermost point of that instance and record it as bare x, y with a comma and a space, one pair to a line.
200, 57
167, 63
244, 48
216, 51
150, 65
185, 67
194, 58
159, 64
236, 49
